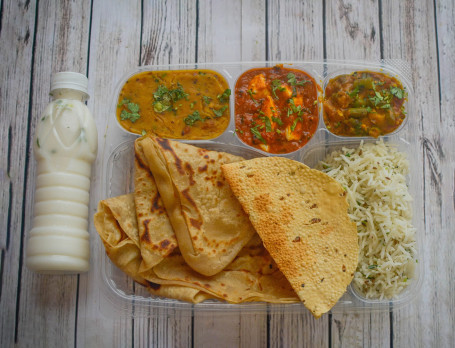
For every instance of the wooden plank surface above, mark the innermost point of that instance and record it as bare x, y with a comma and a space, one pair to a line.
106, 39
16, 40
51, 301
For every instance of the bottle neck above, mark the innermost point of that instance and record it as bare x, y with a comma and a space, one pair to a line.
68, 93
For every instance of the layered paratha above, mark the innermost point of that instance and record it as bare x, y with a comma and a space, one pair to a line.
301, 216
208, 221
252, 276
156, 236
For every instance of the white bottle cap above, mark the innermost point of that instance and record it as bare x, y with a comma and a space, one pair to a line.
71, 80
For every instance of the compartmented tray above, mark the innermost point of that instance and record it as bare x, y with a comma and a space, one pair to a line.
118, 160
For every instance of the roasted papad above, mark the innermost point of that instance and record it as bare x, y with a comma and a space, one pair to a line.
301, 216
156, 236
208, 221
252, 276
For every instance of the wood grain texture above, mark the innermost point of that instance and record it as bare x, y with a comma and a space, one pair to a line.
50, 301
352, 29
421, 324
16, 40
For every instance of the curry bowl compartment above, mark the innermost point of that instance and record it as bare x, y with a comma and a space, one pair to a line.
363, 120
182, 102
276, 107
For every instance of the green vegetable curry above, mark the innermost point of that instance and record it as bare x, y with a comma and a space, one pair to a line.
364, 103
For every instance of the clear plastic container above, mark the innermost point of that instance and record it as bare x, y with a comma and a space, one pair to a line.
118, 157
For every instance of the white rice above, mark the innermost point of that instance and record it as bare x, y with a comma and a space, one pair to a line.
374, 176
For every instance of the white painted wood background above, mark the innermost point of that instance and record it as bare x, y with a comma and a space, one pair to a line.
104, 39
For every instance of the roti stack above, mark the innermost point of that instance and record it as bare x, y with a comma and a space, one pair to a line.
157, 238
252, 276
188, 230
208, 221
301, 216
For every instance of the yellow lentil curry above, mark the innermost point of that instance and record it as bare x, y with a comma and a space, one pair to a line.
178, 104
364, 103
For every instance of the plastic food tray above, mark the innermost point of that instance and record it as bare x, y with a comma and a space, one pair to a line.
117, 172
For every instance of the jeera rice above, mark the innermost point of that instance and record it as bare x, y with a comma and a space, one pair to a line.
374, 177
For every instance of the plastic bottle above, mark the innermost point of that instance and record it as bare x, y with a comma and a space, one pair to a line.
65, 145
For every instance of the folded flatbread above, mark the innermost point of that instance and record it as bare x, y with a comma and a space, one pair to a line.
115, 221
301, 216
208, 221
156, 236
252, 276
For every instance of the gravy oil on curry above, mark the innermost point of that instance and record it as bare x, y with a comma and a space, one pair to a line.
178, 104
364, 103
276, 109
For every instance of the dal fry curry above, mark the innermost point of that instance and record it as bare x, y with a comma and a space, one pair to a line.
179, 104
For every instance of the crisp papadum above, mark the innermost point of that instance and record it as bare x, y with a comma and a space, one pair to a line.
301, 216
156, 236
252, 276
208, 221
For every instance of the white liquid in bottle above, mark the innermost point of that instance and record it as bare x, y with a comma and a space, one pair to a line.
65, 146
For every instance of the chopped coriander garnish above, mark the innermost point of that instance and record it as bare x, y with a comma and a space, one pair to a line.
295, 123
397, 92
293, 81
193, 118
219, 113
122, 102
144, 132
257, 134
276, 85
294, 108
206, 99
164, 97
268, 124
277, 120
354, 92
131, 112
250, 92
224, 97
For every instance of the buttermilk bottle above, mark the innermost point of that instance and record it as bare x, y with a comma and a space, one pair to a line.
65, 146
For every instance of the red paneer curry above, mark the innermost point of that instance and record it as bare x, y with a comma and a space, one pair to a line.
276, 109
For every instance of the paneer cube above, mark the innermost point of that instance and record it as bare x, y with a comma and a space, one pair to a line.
258, 86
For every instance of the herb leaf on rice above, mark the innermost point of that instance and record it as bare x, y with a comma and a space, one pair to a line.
374, 176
